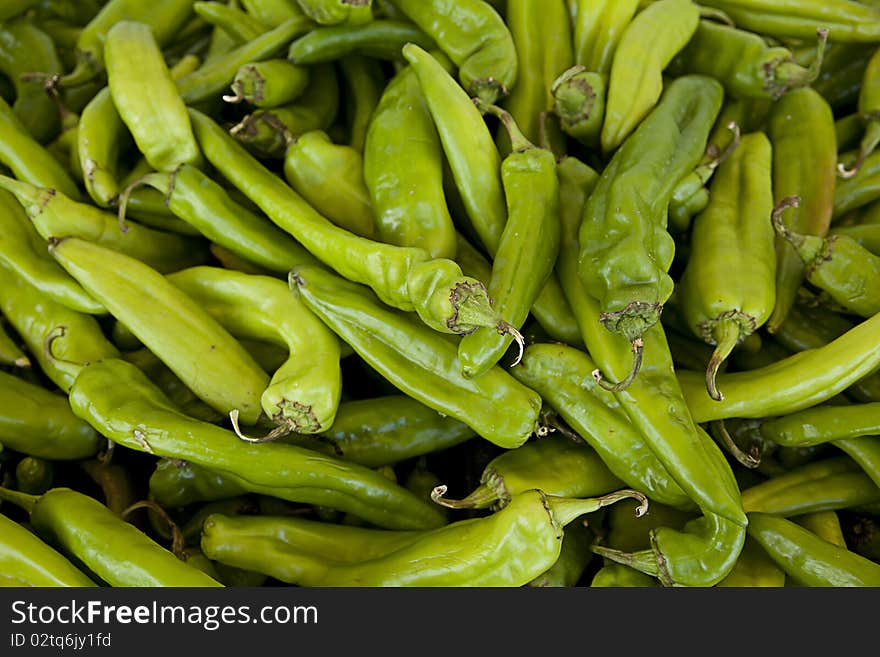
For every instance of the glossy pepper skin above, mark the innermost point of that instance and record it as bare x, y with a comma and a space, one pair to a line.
744, 63
858, 190
801, 131
838, 265
403, 277
527, 250
39, 423
598, 27
625, 249
111, 548
555, 464
403, 170
508, 548
35, 315
418, 361
25, 560
847, 21
820, 424
792, 384
331, 177
562, 376
100, 139
732, 235
303, 393
10, 352
650, 41
334, 12
754, 568
193, 345
475, 37
809, 559
115, 397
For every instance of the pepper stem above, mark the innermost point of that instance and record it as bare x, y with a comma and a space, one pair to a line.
178, 542
278, 432
752, 459
642, 560
481, 498
638, 348
19, 499
789, 75
507, 328
869, 142
26, 194
518, 141
238, 96
69, 367
566, 509
776, 218
164, 182
727, 333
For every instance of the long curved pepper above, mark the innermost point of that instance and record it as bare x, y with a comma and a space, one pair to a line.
868, 110
526, 252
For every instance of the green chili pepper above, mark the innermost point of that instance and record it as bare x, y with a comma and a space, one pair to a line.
542, 37
617, 575
334, 12
25, 560
821, 424
27, 159
119, 400
809, 559
825, 525
34, 475
622, 531
562, 376
23, 251
381, 39
88, 530
303, 394
331, 177
39, 423
25, 48
193, 345
830, 484
215, 75
56, 215
648, 44
732, 234
869, 111
13, 8
269, 132
146, 98
204, 204
176, 484
269, 83
418, 361
101, 138
556, 465
867, 235
467, 553
598, 27
792, 384
527, 249
238, 24
754, 568
403, 171
164, 17
115, 482
34, 315
865, 451
475, 37
838, 264
625, 250
847, 21
801, 131
405, 278
744, 63
574, 557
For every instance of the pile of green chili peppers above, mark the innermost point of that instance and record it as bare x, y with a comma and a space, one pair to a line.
566, 293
